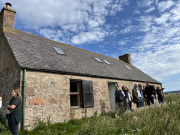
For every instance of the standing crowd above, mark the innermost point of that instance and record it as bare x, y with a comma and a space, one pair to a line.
144, 97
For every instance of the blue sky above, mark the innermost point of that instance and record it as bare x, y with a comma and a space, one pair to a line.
149, 30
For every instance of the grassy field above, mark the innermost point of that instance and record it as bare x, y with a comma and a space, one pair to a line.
162, 119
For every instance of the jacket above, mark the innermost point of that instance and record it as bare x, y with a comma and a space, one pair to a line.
135, 95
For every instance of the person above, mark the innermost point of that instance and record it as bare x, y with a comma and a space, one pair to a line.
144, 98
149, 93
129, 98
155, 92
135, 94
140, 96
13, 111
159, 93
119, 96
126, 102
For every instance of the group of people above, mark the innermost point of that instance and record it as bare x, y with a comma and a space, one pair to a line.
146, 96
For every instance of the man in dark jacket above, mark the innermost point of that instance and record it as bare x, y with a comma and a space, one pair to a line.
119, 97
149, 93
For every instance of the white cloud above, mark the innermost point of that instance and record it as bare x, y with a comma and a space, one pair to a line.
164, 5
90, 36
150, 10
163, 18
175, 13
158, 51
145, 23
137, 11
145, 3
159, 63
128, 29
122, 42
77, 19
51, 34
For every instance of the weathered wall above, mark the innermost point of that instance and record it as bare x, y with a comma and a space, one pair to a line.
48, 97
9, 72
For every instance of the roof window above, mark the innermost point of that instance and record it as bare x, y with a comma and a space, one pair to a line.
58, 50
128, 67
106, 61
97, 59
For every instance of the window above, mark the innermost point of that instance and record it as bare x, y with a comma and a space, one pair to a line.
75, 90
58, 50
128, 67
81, 94
106, 61
97, 59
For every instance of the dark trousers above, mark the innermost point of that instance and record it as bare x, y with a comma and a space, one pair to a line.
130, 105
137, 104
160, 98
13, 125
150, 99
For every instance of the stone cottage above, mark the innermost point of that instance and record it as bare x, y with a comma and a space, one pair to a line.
59, 81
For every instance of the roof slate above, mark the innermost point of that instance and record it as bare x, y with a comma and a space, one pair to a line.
34, 52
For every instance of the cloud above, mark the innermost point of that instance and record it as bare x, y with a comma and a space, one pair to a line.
145, 3
157, 52
128, 29
90, 36
160, 63
150, 10
137, 12
76, 21
163, 19
145, 23
162, 6
175, 13
51, 34
122, 43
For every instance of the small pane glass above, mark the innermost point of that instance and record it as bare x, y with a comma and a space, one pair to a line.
58, 50
75, 100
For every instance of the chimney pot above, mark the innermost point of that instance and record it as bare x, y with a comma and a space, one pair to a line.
8, 5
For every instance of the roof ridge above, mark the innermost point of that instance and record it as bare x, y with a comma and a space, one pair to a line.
6, 30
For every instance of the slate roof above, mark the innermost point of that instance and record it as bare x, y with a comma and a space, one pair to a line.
37, 53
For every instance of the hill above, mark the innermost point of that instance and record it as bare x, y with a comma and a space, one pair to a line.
176, 91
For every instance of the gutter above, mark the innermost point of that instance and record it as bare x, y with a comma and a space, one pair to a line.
23, 95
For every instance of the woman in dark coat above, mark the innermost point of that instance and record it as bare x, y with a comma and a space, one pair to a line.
13, 111
159, 93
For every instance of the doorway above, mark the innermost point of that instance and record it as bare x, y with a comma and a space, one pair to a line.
112, 88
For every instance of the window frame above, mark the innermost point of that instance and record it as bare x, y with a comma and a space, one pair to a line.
85, 93
76, 93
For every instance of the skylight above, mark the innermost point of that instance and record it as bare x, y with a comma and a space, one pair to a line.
58, 50
97, 59
128, 67
106, 61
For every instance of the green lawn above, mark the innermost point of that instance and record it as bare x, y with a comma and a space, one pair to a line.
157, 120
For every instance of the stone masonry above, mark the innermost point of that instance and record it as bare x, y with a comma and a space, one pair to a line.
48, 97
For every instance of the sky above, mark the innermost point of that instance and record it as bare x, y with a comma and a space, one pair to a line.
149, 30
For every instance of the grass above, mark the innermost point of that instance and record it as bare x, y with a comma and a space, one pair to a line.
157, 120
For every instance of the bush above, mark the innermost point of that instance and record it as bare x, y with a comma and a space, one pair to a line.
4, 128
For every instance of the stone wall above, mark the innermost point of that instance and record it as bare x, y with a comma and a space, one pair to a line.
48, 97
9, 72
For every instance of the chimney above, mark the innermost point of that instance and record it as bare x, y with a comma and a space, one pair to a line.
7, 16
126, 58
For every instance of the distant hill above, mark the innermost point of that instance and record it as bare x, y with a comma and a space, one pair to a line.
176, 91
